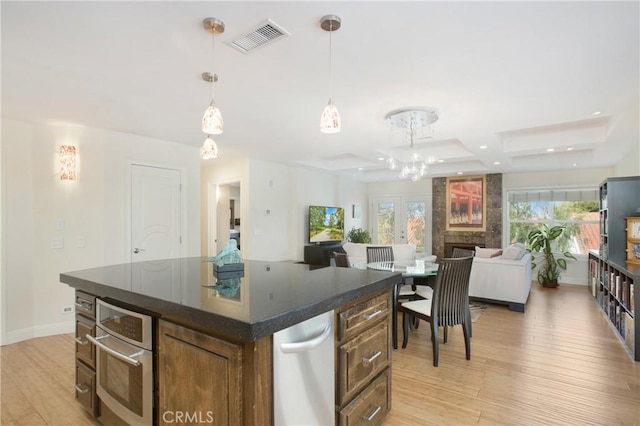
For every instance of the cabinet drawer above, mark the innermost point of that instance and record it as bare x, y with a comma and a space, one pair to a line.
86, 388
86, 304
371, 406
361, 359
361, 316
85, 351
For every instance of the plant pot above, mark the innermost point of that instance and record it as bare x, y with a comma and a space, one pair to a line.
550, 284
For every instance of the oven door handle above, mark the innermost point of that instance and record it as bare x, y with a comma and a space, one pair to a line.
126, 358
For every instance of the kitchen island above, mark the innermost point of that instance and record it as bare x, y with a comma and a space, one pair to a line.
223, 329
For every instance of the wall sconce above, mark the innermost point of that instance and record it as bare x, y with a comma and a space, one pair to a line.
68, 161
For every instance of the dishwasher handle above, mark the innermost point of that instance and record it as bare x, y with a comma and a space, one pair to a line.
307, 345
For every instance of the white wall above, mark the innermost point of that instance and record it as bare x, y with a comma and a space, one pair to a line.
629, 165
286, 192
35, 203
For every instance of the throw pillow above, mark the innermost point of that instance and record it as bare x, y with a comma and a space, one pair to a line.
486, 253
497, 254
514, 252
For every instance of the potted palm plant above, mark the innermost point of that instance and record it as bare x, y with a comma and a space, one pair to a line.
540, 242
359, 235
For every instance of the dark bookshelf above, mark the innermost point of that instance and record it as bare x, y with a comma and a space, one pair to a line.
613, 286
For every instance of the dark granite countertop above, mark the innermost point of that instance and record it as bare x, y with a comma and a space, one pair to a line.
270, 297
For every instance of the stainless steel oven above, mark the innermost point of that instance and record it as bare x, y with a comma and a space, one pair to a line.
124, 356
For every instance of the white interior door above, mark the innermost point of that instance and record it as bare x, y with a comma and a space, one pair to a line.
400, 220
155, 213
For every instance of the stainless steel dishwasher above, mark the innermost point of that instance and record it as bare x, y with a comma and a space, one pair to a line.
304, 373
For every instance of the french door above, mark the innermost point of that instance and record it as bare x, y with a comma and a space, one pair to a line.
400, 220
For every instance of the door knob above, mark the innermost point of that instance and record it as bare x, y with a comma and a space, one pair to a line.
138, 250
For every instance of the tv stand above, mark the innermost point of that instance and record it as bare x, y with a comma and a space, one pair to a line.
321, 254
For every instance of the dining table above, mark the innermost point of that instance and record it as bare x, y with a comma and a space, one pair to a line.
410, 269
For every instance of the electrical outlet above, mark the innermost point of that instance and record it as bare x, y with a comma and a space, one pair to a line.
67, 310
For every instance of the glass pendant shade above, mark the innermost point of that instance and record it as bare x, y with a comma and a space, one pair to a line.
212, 123
209, 149
330, 120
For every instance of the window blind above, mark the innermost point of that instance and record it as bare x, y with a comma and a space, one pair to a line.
553, 195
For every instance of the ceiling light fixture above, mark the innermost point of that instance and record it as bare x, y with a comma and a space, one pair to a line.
330, 119
412, 122
212, 123
209, 149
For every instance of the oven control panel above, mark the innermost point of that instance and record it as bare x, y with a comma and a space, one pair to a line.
124, 325
132, 327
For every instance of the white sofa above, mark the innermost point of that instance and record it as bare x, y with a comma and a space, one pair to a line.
499, 280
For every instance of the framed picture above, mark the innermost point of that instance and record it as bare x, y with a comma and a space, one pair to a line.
466, 203
633, 228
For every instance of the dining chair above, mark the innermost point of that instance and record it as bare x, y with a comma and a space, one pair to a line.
342, 260
460, 252
379, 254
448, 307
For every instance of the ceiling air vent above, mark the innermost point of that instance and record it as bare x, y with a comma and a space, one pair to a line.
261, 35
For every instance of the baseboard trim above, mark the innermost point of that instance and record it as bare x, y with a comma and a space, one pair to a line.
38, 331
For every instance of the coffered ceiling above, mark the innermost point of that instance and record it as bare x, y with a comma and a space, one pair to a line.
519, 86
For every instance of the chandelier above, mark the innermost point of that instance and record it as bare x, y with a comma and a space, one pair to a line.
413, 124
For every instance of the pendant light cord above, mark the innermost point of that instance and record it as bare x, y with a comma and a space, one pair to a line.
213, 74
330, 59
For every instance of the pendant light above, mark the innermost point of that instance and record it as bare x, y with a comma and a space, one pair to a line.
330, 119
209, 149
212, 123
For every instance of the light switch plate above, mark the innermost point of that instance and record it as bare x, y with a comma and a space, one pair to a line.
57, 243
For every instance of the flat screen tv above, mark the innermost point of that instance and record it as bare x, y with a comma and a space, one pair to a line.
326, 224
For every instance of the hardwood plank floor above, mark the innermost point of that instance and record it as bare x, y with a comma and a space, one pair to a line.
558, 364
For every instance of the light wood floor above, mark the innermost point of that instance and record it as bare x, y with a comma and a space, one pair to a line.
560, 363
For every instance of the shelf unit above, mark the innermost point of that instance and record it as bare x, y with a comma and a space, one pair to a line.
613, 287
618, 200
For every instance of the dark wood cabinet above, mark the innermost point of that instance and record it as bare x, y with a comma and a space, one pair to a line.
232, 382
363, 361
85, 352
223, 382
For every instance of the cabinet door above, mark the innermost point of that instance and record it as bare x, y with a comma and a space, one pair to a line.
362, 358
371, 406
86, 388
85, 351
199, 377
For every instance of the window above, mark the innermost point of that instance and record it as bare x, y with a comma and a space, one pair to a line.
577, 209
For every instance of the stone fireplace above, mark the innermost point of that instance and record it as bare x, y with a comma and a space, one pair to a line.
444, 241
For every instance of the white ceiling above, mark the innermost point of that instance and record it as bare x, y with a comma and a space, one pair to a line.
516, 77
